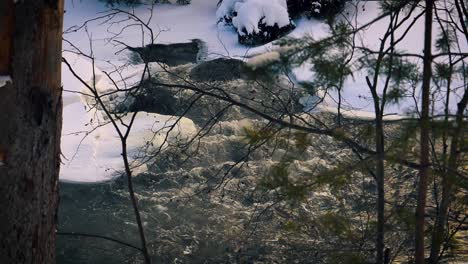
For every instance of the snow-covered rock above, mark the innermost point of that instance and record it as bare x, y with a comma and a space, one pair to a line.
226, 11
256, 21
252, 13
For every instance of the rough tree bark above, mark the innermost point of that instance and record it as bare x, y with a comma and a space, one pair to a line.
30, 118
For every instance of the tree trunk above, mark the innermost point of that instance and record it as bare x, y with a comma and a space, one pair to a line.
380, 174
448, 181
30, 118
424, 144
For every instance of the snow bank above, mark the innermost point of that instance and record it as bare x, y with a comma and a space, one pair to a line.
251, 12
90, 145
94, 154
199, 23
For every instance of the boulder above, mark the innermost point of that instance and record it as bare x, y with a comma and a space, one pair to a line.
221, 69
257, 21
172, 54
154, 100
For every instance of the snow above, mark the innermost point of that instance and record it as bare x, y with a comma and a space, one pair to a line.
4, 79
92, 156
251, 12
356, 94
199, 22
90, 144
225, 9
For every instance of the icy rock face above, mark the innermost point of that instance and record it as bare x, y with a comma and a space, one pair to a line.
257, 21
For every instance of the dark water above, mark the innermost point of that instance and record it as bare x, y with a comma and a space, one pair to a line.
98, 209
179, 230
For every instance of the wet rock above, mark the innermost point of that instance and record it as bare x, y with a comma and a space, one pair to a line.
220, 69
229, 80
157, 99
172, 54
